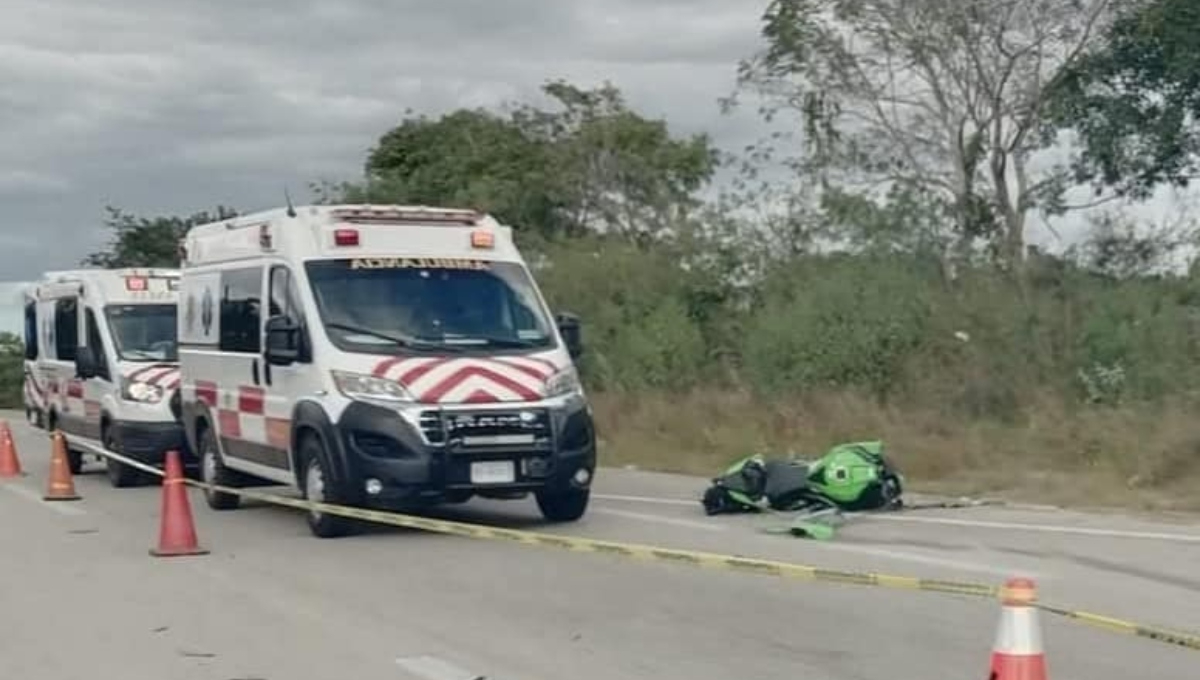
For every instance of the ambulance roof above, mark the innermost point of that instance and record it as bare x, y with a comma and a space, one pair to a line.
126, 285
351, 231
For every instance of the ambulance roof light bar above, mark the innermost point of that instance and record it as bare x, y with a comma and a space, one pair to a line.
466, 218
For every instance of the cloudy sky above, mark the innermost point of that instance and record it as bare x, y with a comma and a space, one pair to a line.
174, 107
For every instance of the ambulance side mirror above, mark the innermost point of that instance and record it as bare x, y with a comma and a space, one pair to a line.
85, 362
569, 327
283, 341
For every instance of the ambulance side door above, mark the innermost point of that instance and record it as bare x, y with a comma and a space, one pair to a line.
284, 383
97, 386
240, 392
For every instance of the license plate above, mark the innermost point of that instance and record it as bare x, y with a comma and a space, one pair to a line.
493, 472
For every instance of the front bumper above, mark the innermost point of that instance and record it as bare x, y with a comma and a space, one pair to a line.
148, 441
428, 456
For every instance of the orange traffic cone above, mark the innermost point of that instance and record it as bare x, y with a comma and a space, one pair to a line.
177, 531
10, 464
1017, 653
61, 485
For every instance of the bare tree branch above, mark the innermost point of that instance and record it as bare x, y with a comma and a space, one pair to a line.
943, 94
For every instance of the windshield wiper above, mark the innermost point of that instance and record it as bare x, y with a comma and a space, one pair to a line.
141, 354
502, 342
402, 340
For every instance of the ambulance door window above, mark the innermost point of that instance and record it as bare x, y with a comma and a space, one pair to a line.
285, 301
241, 321
66, 329
97, 344
31, 331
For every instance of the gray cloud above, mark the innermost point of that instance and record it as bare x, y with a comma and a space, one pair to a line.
177, 107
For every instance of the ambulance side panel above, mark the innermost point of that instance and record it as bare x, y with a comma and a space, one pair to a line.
221, 360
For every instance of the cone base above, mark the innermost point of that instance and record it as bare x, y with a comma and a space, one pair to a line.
1018, 667
177, 552
67, 497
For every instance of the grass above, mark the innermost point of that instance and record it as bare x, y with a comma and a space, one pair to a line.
1142, 457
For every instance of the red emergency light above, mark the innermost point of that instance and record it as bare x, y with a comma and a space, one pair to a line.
483, 239
345, 237
136, 284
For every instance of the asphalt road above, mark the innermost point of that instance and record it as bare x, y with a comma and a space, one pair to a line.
81, 599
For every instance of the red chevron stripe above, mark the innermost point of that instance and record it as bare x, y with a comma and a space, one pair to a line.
480, 397
438, 391
136, 374
382, 368
545, 362
509, 362
414, 374
165, 377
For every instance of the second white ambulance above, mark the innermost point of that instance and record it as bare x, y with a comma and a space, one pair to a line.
101, 362
383, 356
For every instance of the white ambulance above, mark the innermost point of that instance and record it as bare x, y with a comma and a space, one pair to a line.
379, 356
105, 362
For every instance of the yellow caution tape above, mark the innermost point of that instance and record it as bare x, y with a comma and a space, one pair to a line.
1163, 635
695, 558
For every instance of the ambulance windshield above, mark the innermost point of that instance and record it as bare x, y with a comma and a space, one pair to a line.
385, 304
144, 332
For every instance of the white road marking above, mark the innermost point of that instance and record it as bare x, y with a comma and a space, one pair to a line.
660, 519
1043, 528
433, 668
849, 548
933, 561
644, 499
62, 507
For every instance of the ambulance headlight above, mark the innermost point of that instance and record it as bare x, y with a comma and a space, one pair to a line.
141, 392
564, 382
370, 388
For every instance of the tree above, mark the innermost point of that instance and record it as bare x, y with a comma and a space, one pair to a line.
591, 163
12, 370
469, 158
148, 241
619, 171
1134, 100
943, 98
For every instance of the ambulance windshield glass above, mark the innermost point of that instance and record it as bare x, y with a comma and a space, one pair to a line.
375, 304
144, 332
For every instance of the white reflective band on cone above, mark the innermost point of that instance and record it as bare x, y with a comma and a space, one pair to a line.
1019, 633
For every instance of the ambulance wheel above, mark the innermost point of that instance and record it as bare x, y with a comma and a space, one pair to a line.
318, 486
119, 474
75, 461
563, 506
214, 472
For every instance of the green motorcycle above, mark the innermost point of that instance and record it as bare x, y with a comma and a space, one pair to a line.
850, 477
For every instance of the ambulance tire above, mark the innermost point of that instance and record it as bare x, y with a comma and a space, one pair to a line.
119, 474
213, 471
563, 506
318, 484
75, 461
